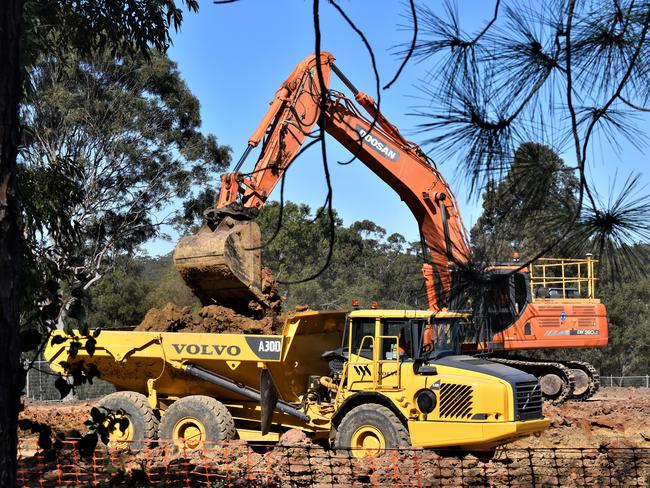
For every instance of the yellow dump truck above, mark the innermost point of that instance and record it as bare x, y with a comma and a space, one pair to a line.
365, 380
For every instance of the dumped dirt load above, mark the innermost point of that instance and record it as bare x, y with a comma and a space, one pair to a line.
215, 318
170, 318
212, 319
222, 264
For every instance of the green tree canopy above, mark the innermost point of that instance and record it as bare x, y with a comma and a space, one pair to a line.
527, 210
132, 287
110, 145
29, 32
366, 264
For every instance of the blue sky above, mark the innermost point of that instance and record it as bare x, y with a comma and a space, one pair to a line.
234, 57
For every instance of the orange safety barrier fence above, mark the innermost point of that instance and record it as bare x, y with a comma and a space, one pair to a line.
237, 464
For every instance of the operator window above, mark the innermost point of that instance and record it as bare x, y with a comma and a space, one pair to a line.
441, 336
521, 291
363, 328
390, 348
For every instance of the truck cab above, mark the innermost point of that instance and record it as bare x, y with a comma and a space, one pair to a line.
406, 366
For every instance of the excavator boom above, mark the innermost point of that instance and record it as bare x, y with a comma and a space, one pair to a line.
221, 262
523, 309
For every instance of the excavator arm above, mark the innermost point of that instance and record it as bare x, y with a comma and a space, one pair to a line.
222, 262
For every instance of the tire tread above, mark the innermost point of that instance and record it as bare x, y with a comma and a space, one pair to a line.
224, 421
141, 404
402, 434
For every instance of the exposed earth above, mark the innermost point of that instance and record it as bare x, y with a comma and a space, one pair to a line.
615, 417
212, 318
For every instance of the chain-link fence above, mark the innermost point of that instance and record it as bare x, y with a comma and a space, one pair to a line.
625, 381
39, 385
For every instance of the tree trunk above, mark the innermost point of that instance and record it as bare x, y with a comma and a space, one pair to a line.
11, 371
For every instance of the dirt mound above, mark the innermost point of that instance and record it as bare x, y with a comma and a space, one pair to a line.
213, 319
60, 416
170, 318
294, 437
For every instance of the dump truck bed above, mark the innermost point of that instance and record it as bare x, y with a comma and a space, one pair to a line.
129, 359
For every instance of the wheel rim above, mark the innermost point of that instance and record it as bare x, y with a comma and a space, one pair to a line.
189, 433
118, 438
367, 440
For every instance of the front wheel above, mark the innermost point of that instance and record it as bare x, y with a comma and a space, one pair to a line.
368, 430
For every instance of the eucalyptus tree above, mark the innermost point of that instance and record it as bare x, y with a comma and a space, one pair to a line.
111, 147
28, 31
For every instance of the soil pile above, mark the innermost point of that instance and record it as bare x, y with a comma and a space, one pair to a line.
60, 416
213, 319
170, 318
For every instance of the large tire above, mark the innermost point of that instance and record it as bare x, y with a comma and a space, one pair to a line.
143, 423
367, 430
194, 420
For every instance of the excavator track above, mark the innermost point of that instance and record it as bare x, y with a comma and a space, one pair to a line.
557, 380
587, 379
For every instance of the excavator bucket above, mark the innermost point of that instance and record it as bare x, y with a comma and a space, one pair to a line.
223, 265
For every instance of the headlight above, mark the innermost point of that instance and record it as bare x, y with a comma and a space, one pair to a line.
426, 401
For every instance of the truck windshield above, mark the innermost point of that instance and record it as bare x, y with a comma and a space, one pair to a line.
440, 337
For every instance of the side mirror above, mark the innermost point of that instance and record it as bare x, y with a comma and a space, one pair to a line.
427, 370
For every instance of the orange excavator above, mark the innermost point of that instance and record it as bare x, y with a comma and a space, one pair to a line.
548, 305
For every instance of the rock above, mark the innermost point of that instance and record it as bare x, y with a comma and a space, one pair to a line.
294, 437
607, 423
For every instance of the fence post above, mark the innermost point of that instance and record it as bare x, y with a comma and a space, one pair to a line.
27, 381
647, 385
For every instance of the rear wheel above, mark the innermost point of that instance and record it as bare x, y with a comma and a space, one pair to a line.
194, 420
130, 420
367, 430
